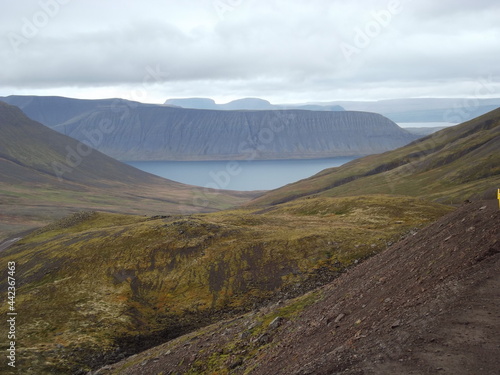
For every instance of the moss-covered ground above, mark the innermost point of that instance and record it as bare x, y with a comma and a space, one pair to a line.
95, 286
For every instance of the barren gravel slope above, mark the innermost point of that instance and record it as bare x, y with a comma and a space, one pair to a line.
427, 305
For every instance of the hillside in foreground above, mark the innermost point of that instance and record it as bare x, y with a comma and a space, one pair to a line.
99, 286
45, 175
426, 305
457, 163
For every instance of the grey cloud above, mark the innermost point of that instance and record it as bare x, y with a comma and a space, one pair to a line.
270, 47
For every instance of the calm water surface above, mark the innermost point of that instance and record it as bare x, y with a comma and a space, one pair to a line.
239, 175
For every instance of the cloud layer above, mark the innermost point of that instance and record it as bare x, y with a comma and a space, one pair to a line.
279, 50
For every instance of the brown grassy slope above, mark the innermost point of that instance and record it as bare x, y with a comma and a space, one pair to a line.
31, 192
457, 163
97, 285
426, 305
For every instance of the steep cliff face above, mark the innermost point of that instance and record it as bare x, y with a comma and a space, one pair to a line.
165, 133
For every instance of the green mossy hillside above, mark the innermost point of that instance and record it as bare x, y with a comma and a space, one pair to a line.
95, 286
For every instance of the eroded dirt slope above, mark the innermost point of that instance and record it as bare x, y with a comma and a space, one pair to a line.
427, 305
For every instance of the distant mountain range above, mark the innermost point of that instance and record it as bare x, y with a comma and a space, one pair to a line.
423, 131
447, 110
138, 131
457, 163
451, 110
246, 104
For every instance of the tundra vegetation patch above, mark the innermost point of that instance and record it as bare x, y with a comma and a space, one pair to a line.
95, 287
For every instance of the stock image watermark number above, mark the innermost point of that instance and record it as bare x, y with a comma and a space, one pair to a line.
11, 314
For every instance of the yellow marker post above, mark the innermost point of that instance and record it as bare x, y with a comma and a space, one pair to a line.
498, 196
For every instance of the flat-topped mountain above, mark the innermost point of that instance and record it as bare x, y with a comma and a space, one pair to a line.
194, 103
246, 104
155, 132
249, 104
163, 133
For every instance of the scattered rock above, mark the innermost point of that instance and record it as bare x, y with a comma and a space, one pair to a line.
396, 324
245, 334
276, 323
339, 318
156, 217
263, 339
238, 362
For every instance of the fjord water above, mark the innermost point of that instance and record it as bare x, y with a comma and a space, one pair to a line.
239, 175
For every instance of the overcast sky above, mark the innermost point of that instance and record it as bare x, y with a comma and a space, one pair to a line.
284, 51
